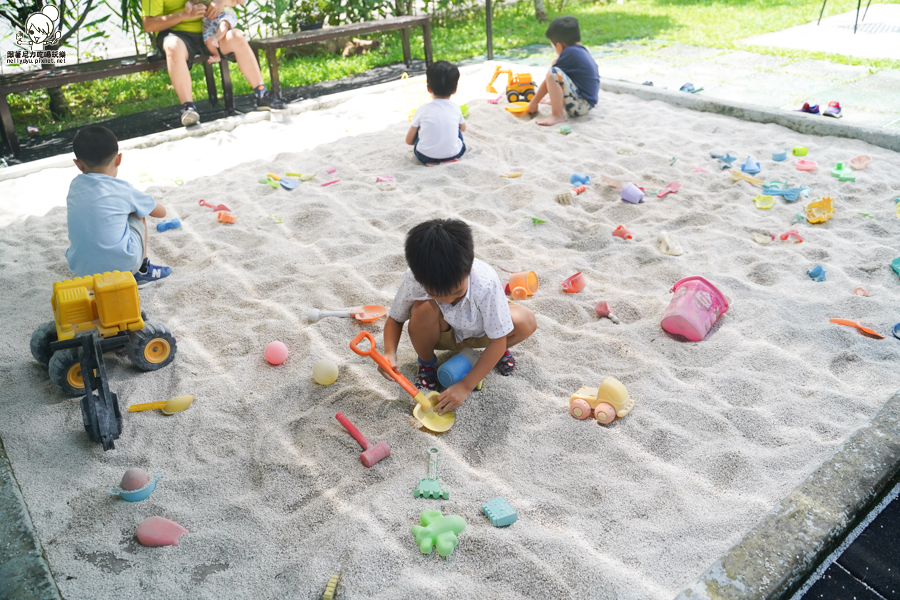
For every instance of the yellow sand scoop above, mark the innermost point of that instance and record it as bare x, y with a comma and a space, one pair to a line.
168, 407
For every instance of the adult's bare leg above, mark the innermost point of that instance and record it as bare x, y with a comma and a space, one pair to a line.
235, 42
176, 62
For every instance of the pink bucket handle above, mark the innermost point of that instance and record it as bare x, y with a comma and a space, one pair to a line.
722, 297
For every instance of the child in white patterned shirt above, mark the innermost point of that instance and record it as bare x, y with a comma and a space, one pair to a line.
453, 301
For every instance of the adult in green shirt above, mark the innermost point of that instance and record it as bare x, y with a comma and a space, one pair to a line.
178, 26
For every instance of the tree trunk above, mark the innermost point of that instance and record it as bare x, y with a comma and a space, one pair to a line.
539, 11
59, 105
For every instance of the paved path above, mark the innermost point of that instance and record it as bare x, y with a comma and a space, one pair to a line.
869, 97
877, 34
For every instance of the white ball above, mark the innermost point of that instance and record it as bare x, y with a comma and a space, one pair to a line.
325, 372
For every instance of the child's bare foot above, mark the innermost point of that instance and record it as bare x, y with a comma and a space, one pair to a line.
532, 107
551, 120
212, 46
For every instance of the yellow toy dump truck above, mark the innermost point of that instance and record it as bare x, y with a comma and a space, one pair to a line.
92, 315
609, 401
519, 88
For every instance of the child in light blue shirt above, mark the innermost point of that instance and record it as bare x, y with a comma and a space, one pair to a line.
107, 216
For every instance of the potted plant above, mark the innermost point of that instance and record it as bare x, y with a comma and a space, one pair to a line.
309, 14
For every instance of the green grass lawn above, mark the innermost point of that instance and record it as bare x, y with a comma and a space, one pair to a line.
715, 23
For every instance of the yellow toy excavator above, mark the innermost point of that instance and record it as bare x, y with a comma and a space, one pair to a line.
520, 86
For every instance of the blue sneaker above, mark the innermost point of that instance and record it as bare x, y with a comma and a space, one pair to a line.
148, 273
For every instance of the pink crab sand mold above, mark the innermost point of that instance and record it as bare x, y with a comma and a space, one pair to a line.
695, 307
860, 162
574, 284
154, 532
622, 232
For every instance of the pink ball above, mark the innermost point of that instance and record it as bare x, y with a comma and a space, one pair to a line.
276, 353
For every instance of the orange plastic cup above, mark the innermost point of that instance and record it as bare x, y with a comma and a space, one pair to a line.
225, 217
522, 285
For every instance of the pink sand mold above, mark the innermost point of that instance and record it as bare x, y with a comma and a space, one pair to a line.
622, 232
154, 532
384, 179
330, 170
695, 307
574, 284
860, 162
805, 165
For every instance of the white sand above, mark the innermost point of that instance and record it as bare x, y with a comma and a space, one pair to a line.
270, 486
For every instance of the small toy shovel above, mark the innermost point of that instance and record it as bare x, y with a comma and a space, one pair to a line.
669, 189
430, 487
168, 407
366, 314
424, 412
860, 326
215, 207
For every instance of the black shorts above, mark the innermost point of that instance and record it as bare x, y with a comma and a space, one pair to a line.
194, 43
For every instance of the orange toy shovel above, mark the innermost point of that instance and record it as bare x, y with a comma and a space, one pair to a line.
860, 327
424, 411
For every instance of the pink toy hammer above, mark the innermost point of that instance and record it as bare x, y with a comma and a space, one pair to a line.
370, 454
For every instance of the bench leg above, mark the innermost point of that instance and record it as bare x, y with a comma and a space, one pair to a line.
407, 53
9, 128
227, 92
210, 84
272, 57
426, 35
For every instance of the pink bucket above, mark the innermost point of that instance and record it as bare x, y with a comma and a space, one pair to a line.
697, 304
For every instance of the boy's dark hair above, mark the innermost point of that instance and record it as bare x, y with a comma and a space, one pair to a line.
442, 78
440, 253
95, 146
564, 30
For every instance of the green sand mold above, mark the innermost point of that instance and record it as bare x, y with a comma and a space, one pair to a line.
438, 530
843, 173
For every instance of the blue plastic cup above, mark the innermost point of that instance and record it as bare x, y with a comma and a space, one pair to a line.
456, 368
166, 225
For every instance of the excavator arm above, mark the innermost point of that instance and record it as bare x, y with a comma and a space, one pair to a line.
497, 72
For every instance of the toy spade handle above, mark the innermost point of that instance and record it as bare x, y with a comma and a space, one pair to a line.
382, 362
148, 406
353, 430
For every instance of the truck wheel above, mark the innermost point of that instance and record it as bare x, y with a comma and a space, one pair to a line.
605, 413
41, 339
65, 372
579, 408
152, 347
529, 96
512, 97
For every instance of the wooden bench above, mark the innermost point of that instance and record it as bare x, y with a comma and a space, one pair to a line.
270, 45
101, 69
